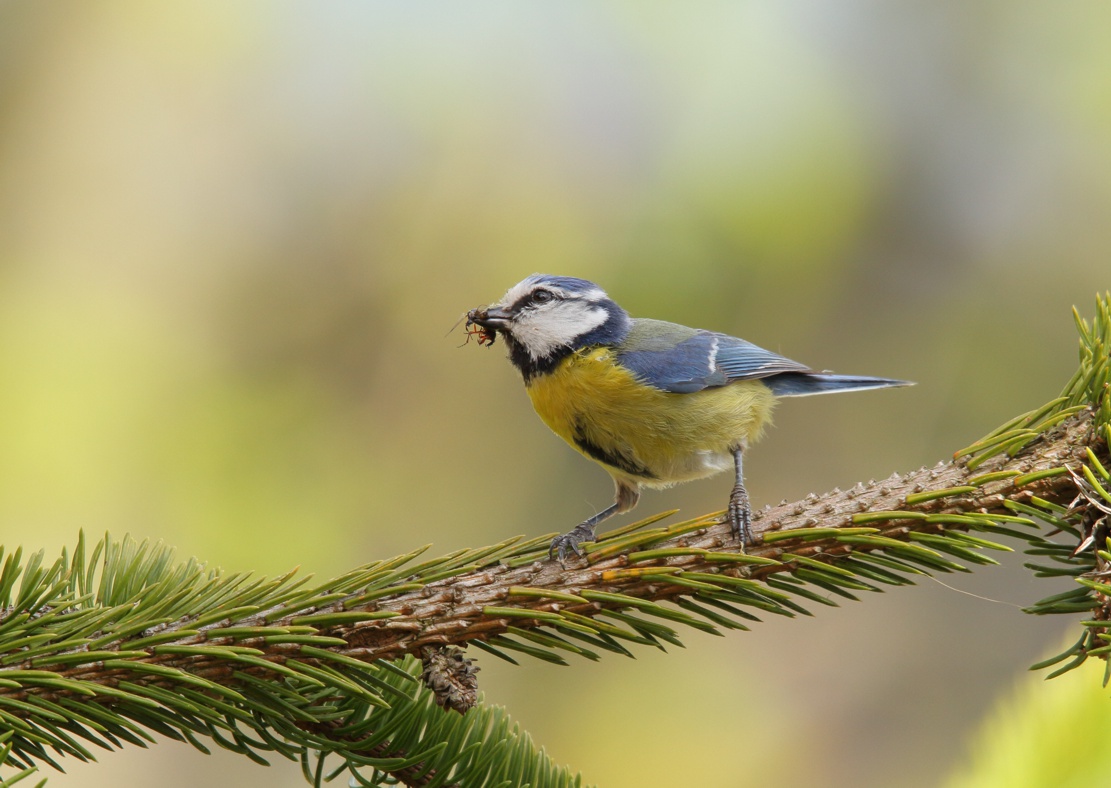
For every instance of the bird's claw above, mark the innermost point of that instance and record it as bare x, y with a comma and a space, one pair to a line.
740, 518
571, 541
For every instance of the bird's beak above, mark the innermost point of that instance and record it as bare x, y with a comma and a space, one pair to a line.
494, 318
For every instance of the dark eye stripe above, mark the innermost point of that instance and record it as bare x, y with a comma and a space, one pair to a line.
530, 299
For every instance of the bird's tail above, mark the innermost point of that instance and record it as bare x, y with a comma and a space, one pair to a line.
804, 384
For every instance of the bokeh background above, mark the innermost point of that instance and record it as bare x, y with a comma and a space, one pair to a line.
234, 237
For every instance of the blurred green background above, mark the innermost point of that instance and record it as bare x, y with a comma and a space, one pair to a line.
234, 236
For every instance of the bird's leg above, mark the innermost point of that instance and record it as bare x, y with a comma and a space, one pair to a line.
740, 513
583, 532
627, 497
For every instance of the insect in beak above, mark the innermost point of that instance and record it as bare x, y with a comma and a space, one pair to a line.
476, 326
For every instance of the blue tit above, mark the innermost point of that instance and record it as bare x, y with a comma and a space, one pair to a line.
654, 403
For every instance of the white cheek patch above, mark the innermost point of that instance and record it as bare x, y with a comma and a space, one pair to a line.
544, 331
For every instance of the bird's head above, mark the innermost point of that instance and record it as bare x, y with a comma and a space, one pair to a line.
544, 317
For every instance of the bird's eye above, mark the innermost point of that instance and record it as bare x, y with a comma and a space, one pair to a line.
542, 296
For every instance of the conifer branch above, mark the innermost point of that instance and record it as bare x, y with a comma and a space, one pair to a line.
116, 640
643, 564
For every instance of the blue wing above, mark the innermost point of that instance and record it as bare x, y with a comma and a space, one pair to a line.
681, 360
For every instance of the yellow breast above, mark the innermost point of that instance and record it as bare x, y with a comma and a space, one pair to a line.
641, 433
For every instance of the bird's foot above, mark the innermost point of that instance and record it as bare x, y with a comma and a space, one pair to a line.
570, 541
740, 517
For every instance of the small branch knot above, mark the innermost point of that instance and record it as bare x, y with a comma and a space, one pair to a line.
451, 677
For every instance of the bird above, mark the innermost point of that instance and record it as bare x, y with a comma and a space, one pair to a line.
654, 403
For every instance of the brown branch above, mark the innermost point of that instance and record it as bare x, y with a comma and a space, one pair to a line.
451, 611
